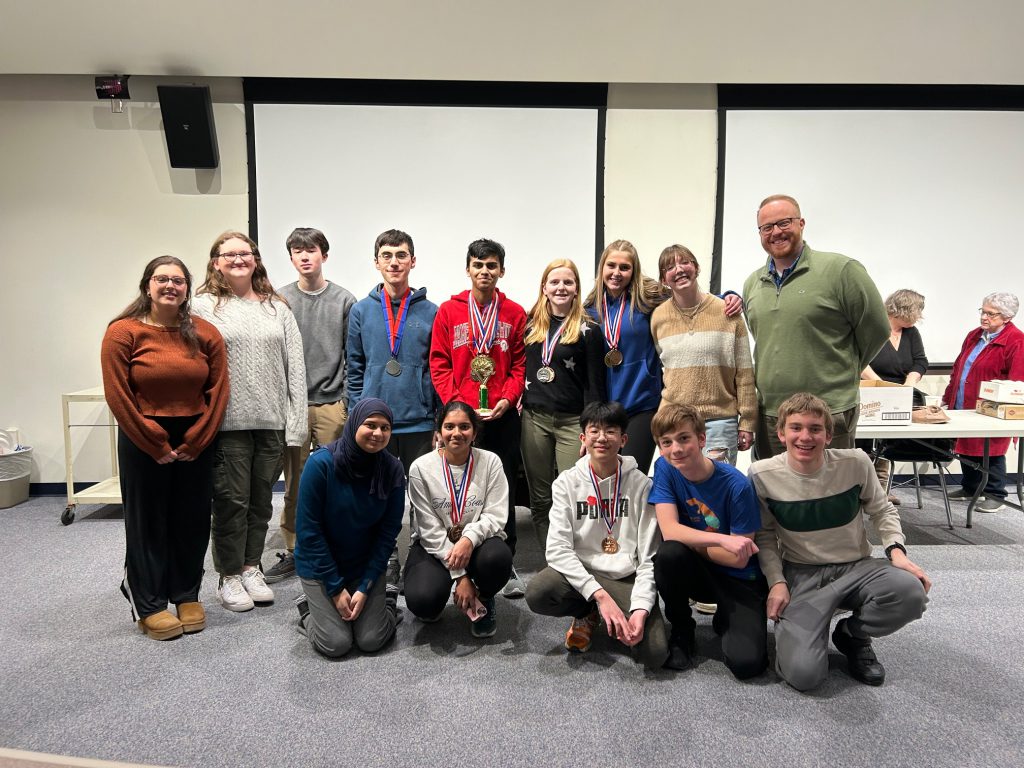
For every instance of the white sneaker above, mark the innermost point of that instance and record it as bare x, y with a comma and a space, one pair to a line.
232, 594
254, 584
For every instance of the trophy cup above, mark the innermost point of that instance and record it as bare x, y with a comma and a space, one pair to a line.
481, 368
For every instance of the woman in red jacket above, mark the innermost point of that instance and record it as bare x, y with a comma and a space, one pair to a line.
995, 350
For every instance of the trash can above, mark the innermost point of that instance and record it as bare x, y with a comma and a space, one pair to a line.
15, 468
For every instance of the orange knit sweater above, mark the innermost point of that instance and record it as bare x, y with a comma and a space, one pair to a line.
147, 371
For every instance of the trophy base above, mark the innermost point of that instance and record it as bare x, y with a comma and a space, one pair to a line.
484, 411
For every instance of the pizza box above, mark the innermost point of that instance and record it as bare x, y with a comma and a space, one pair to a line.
1001, 391
1000, 410
884, 404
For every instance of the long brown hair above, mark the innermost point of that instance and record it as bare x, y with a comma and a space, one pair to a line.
644, 293
539, 320
143, 305
217, 285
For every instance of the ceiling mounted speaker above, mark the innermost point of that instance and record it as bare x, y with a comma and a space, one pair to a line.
188, 126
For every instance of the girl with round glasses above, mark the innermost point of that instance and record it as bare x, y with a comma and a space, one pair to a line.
165, 379
266, 411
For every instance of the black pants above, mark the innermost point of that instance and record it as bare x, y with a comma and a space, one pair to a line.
741, 619
428, 584
166, 522
640, 444
502, 437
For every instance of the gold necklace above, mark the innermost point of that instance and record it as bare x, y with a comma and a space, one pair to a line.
689, 314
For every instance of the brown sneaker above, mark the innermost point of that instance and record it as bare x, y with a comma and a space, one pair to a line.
161, 626
577, 639
192, 617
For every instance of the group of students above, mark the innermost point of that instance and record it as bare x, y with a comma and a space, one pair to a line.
214, 399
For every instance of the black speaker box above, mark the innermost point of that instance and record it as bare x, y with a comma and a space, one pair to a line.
188, 126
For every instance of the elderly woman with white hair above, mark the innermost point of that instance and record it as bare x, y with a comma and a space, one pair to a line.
995, 350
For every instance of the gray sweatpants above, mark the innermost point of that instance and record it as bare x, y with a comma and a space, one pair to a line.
883, 598
332, 636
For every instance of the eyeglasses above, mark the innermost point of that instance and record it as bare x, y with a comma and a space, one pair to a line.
680, 265
782, 224
611, 432
245, 256
400, 256
164, 279
988, 314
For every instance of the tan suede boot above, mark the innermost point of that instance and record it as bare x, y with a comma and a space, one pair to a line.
161, 626
192, 617
882, 468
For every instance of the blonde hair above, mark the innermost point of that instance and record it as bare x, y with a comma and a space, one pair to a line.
905, 305
644, 293
805, 402
540, 316
217, 285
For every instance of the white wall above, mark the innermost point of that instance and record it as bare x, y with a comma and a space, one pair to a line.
650, 41
86, 199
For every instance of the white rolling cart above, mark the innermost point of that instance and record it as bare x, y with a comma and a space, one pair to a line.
106, 491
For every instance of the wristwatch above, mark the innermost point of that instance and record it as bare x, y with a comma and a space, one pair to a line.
891, 547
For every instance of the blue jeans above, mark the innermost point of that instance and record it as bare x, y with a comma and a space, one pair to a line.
995, 488
722, 435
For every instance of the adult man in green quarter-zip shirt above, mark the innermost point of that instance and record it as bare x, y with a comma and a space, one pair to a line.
817, 320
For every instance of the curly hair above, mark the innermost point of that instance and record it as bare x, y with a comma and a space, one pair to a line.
217, 285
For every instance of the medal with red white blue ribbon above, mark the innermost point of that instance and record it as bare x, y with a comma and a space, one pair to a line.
608, 508
459, 494
483, 325
612, 327
546, 374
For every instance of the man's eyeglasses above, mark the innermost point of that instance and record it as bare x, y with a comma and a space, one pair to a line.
245, 256
782, 224
401, 257
179, 282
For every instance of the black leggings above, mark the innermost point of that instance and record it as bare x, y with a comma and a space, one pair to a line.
640, 444
428, 583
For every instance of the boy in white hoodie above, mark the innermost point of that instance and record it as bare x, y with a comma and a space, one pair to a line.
600, 545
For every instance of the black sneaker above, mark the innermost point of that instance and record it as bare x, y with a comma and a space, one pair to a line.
391, 604
282, 569
961, 495
864, 665
488, 624
680, 653
393, 574
302, 606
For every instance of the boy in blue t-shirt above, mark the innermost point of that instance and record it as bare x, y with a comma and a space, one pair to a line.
708, 515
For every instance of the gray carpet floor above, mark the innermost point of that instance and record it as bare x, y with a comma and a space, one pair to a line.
79, 679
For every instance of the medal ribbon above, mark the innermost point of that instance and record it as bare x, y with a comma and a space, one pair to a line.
547, 349
395, 329
483, 326
613, 327
458, 494
609, 509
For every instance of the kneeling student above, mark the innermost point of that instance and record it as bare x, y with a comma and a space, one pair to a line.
708, 515
459, 499
815, 552
602, 537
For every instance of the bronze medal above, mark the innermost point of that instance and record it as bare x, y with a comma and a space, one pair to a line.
610, 545
612, 358
393, 367
545, 374
455, 533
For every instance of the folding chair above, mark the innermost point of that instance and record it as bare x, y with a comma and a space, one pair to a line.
938, 453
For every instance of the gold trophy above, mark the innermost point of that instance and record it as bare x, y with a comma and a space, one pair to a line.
481, 368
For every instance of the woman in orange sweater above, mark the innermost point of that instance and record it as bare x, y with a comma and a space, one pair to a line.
166, 382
